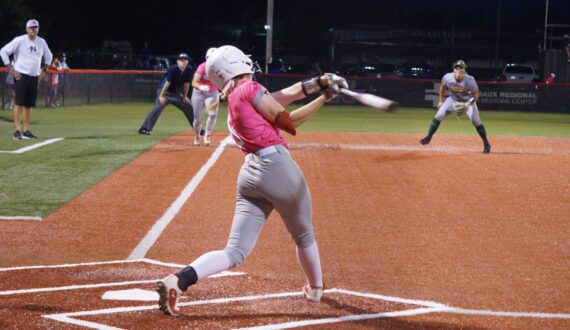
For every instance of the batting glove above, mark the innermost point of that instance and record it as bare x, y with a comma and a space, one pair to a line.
313, 85
204, 88
327, 83
334, 84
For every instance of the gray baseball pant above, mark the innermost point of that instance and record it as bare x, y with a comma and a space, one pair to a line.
171, 98
273, 181
447, 108
200, 102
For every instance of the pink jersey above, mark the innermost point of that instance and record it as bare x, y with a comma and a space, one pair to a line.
250, 130
201, 71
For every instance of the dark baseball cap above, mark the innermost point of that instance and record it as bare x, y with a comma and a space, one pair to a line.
183, 56
460, 63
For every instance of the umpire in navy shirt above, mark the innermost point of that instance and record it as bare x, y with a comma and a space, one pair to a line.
174, 90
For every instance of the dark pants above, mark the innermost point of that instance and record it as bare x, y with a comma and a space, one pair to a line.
171, 98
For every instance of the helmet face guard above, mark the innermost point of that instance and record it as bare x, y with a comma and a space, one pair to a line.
226, 63
256, 69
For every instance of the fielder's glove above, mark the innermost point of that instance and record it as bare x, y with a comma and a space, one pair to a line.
461, 108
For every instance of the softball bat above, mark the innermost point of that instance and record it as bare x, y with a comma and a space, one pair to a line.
373, 101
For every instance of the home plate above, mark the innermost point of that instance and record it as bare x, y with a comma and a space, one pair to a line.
132, 294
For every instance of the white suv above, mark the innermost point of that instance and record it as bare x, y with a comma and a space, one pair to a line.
519, 73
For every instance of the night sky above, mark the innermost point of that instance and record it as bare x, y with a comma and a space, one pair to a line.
193, 26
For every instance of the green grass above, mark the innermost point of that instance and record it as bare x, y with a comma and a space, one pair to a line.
99, 139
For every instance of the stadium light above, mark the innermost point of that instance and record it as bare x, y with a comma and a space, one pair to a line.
269, 35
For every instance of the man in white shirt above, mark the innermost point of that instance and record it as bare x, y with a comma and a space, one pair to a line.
28, 51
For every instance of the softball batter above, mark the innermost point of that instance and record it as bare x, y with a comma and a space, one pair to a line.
461, 88
269, 178
204, 94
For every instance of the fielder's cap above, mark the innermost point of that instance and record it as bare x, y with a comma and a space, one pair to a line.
460, 63
32, 23
183, 56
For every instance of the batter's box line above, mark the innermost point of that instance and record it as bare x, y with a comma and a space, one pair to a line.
97, 263
98, 285
427, 307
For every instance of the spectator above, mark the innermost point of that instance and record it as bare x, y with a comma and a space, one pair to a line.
28, 50
11, 92
567, 45
146, 56
316, 68
52, 80
549, 79
60, 98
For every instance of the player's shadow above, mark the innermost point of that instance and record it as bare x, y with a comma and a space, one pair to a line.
411, 156
392, 322
260, 316
41, 308
345, 309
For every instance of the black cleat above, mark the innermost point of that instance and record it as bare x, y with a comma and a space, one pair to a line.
425, 140
28, 135
17, 135
144, 131
486, 148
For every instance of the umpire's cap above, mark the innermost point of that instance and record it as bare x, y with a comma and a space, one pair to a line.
460, 63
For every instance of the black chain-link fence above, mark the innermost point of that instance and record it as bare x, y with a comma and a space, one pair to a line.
99, 86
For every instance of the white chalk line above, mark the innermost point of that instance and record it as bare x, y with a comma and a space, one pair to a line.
66, 318
19, 218
96, 263
427, 307
98, 285
31, 147
424, 149
382, 147
154, 233
21, 151
347, 318
434, 307
74, 287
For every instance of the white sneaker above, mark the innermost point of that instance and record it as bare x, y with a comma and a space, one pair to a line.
207, 140
197, 141
169, 294
312, 294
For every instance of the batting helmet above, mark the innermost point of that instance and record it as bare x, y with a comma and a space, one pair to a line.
226, 63
459, 63
210, 52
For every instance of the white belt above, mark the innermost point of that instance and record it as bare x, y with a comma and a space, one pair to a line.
266, 151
